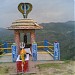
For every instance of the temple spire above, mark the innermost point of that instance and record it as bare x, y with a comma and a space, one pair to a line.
25, 9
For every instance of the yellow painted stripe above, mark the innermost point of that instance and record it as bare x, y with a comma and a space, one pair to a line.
5, 55
44, 52
5, 48
8, 54
51, 49
45, 46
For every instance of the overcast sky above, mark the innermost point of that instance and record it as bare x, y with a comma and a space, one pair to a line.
44, 11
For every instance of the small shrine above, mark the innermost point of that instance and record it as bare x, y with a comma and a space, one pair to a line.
24, 25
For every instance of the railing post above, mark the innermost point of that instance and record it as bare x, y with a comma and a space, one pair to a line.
14, 52
5, 46
34, 51
46, 44
56, 51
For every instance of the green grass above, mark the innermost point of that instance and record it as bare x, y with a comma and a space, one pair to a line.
49, 65
4, 70
67, 61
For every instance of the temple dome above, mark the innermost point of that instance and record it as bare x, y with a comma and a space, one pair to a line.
24, 24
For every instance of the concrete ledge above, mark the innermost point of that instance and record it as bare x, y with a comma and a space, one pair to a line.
44, 56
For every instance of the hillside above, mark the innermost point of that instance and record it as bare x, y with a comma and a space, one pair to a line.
6, 35
62, 32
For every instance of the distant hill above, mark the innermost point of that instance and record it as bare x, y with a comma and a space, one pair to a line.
64, 33
6, 35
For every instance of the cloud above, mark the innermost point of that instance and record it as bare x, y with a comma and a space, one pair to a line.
43, 11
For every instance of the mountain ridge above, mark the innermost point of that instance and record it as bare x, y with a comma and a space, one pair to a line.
64, 33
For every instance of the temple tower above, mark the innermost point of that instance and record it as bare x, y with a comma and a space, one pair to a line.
24, 25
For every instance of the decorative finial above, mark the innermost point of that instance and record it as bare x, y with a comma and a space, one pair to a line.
25, 9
